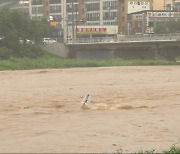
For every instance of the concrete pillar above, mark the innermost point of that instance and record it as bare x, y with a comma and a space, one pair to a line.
30, 8
101, 11
64, 19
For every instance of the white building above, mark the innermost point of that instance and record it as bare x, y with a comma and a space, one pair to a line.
97, 13
100, 12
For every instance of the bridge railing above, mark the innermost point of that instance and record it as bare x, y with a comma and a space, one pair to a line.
153, 37
128, 38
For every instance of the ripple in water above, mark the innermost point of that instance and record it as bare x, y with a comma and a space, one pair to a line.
104, 106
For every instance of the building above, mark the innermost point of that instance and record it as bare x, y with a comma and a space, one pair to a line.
166, 4
143, 22
72, 14
60, 13
126, 7
60, 10
176, 5
94, 18
99, 16
99, 12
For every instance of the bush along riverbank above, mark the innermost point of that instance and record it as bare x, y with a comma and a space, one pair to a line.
173, 150
48, 61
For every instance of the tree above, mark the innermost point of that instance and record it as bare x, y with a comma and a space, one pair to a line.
160, 28
16, 25
171, 26
39, 30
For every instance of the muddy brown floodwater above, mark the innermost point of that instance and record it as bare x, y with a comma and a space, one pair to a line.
131, 108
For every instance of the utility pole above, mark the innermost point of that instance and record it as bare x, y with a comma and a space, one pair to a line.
143, 22
67, 24
72, 5
76, 23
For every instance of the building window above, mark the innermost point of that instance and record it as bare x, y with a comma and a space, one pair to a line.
55, 9
37, 10
111, 5
37, 2
55, 2
92, 6
92, 16
109, 15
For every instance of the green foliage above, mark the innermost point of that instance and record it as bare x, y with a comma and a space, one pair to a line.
171, 26
147, 152
177, 58
173, 150
30, 50
49, 61
5, 53
39, 30
16, 25
160, 28
119, 151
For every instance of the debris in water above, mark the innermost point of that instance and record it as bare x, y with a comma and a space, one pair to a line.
85, 100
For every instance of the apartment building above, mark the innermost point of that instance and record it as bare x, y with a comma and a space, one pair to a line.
99, 12
94, 17
99, 16
176, 5
166, 5
72, 14
60, 10
144, 22
126, 7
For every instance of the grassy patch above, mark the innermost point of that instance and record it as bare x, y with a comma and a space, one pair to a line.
177, 58
173, 150
50, 61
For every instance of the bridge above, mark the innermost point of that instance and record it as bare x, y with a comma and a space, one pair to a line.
164, 46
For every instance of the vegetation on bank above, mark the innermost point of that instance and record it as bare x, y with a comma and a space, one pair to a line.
48, 61
173, 150
20, 36
178, 59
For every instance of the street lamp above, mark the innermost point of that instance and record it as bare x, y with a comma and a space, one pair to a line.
72, 11
65, 31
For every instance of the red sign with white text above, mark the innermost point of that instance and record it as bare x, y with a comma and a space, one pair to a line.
91, 30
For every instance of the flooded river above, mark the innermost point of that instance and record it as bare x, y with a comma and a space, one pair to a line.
131, 108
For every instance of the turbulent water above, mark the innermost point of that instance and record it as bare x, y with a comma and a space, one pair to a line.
131, 108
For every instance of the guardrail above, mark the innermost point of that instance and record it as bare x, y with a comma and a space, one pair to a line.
127, 38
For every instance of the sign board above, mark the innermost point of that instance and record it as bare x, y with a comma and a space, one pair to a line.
137, 17
134, 6
161, 14
91, 30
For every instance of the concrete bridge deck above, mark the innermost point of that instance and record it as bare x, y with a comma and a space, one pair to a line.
164, 46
